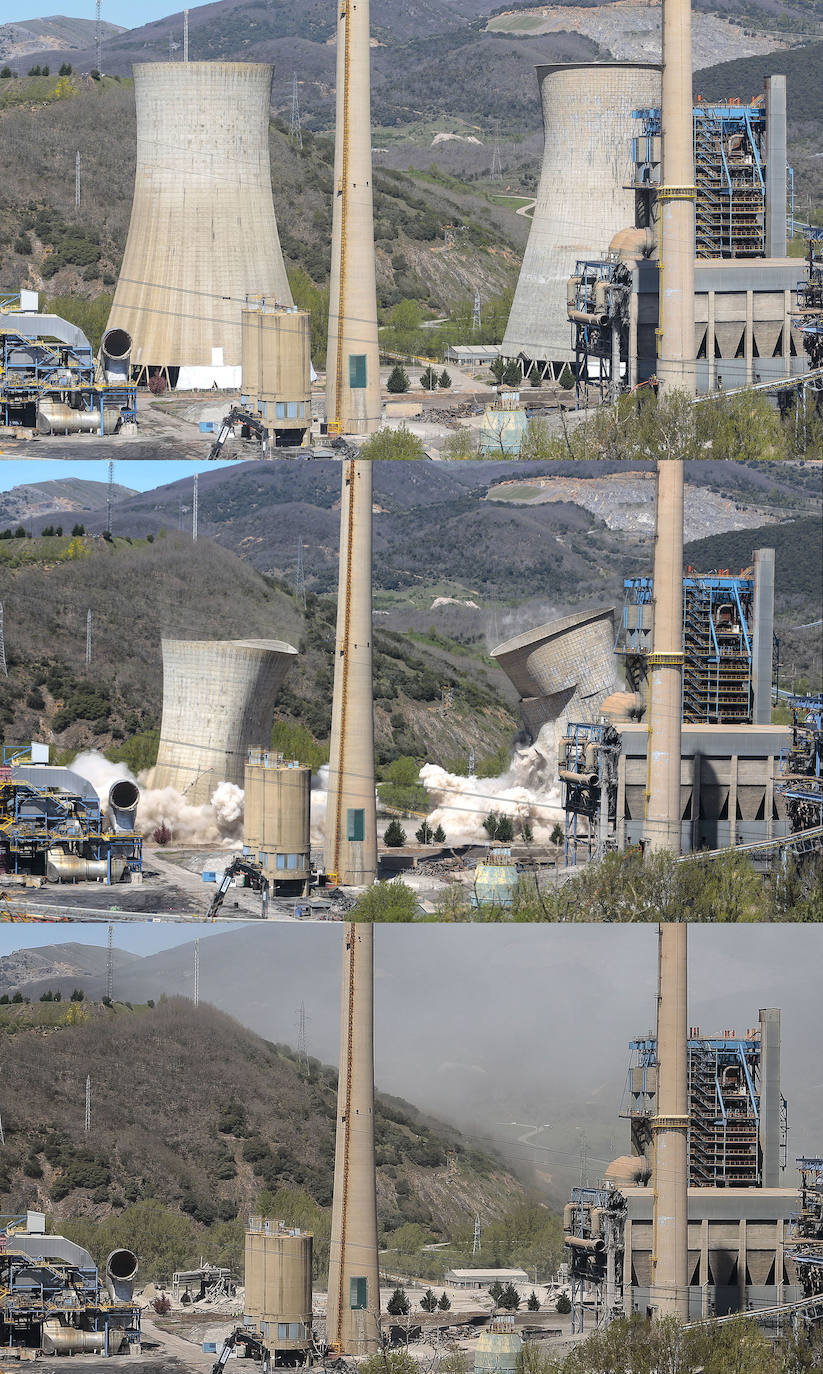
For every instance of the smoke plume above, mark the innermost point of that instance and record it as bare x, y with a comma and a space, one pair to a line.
527, 791
218, 822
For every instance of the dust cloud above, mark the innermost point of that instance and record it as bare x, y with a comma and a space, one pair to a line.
528, 792
218, 822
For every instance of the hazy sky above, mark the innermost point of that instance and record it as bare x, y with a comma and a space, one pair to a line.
137, 937
489, 1025
123, 12
139, 475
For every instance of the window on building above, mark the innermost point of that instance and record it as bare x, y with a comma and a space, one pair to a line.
358, 1294
356, 824
357, 371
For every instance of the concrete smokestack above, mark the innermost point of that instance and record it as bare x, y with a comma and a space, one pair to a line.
763, 636
353, 404
351, 815
676, 372
670, 1257
353, 1313
770, 1096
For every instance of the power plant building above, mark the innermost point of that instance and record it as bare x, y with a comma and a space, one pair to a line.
218, 703
203, 235
276, 824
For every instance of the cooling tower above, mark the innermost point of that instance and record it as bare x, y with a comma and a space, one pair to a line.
564, 670
218, 703
583, 198
203, 235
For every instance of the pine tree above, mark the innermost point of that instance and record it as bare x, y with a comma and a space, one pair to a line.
444, 381
394, 835
444, 1304
398, 380
425, 834
439, 835
490, 825
563, 1305
533, 1303
428, 379
428, 1302
398, 1304
505, 830
509, 1298
496, 1292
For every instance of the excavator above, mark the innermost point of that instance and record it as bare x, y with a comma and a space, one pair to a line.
257, 881
253, 1349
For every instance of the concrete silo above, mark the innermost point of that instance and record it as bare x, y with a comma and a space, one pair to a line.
584, 196
203, 235
563, 670
218, 703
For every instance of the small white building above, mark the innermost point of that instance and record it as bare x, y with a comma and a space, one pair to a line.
484, 1278
472, 355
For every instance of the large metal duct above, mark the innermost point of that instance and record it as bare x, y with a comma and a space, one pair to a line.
121, 1271
218, 703
122, 805
563, 670
584, 197
203, 234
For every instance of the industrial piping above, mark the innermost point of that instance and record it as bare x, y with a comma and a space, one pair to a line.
124, 797
121, 1271
676, 371
353, 1312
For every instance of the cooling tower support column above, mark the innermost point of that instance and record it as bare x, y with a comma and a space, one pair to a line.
353, 1312
351, 815
353, 404
670, 1253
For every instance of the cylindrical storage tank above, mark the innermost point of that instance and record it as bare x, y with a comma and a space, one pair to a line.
584, 196
497, 1350
218, 703
276, 356
203, 235
278, 1284
277, 825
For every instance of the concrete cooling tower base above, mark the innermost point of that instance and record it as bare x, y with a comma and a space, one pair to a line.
584, 197
203, 235
218, 703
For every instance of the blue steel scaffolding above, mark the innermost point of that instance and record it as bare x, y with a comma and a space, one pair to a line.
801, 767
718, 616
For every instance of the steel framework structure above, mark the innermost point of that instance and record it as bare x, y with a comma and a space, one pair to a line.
802, 766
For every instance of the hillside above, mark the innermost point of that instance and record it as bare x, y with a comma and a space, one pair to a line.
29, 36
139, 591
72, 962
67, 495
204, 1134
47, 245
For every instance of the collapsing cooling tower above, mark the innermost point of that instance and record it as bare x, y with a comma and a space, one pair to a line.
218, 703
583, 198
564, 670
203, 235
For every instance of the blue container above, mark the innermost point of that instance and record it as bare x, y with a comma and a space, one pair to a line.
207, 426
209, 877
210, 1347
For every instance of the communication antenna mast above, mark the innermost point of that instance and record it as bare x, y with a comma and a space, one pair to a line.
77, 180
302, 1044
88, 636
497, 161
476, 312
109, 496
87, 1126
3, 644
476, 1241
295, 131
300, 582
195, 502
185, 35
99, 8
109, 963
197, 973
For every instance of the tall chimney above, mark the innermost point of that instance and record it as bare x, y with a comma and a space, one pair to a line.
670, 1242
770, 1096
676, 372
353, 1312
353, 404
351, 814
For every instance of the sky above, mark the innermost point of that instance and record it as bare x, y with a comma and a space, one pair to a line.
484, 1026
139, 475
123, 12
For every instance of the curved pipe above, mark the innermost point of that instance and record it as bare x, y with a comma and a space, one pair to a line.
591, 1247
122, 804
53, 417
587, 779
115, 354
73, 868
68, 1340
587, 317
630, 244
121, 1271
